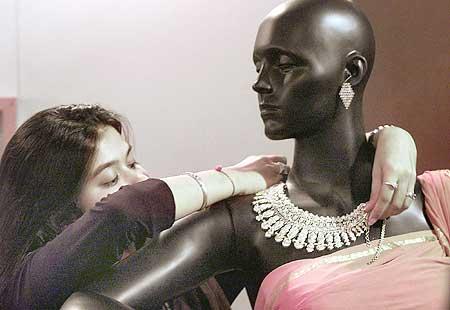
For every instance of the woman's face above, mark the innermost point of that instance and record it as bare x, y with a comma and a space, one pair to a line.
114, 166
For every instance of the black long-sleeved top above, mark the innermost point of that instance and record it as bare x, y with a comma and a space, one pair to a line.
89, 246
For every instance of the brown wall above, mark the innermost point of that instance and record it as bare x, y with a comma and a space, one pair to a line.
410, 84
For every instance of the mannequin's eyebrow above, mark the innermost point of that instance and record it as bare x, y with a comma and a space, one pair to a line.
276, 52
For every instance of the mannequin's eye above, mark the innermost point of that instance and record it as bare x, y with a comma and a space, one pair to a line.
287, 67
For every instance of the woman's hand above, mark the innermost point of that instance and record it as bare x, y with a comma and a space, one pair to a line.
256, 173
394, 166
204, 188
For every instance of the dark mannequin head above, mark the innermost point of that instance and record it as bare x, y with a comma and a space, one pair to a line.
304, 51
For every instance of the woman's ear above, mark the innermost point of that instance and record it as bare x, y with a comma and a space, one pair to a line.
356, 65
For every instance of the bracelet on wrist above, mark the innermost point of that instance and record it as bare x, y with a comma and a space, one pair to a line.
219, 168
376, 131
202, 187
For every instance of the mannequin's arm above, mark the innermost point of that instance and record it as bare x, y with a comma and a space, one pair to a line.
176, 261
92, 301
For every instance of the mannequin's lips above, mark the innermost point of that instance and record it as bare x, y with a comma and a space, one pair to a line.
268, 110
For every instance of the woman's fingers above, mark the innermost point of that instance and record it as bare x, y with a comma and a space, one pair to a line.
383, 200
410, 196
377, 182
392, 194
277, 158
398, 197
403, 194
272, 168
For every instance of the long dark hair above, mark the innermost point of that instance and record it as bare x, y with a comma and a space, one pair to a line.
41, 172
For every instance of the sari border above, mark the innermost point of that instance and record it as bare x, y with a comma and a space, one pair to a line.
333, 258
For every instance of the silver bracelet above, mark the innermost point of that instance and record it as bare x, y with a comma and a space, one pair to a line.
375, 131
202, 187
229, 178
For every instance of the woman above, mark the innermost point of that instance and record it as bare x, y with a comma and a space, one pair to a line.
56, 169
310, 55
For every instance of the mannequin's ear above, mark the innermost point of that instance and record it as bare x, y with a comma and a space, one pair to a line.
356, 65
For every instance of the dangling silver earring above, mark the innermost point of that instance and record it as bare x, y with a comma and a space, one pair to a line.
346, 93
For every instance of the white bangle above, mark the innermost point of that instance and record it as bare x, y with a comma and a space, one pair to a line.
202, 187
229, 178
375, 131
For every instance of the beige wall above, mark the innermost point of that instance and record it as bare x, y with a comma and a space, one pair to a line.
181, 71
8, 49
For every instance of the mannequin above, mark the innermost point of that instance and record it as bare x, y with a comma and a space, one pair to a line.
303, 53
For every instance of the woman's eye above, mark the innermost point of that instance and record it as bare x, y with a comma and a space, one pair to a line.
113, 181
133, 165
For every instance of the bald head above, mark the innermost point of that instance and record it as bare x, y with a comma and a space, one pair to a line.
304, 51
319, 27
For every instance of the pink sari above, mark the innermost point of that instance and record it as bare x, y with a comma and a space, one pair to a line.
412, 272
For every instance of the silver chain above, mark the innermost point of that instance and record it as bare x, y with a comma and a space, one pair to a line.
378, 250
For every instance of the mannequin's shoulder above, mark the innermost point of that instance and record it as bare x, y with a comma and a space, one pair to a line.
241, 205
241, 209
238, 203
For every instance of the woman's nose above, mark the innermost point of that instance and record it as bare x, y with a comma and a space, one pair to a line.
135, 176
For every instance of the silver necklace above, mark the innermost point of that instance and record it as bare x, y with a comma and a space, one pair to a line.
291, 225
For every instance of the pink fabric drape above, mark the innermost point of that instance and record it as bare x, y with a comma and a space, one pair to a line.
413, 271
436, 189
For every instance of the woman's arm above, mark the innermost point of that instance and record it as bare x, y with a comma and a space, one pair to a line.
94, 242
251, 175
395, 162
179, 259
88, 247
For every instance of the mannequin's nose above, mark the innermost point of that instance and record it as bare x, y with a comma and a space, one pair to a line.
262, 84
262, 87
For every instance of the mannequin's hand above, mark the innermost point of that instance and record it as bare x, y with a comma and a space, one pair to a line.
269, 169
395, 162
